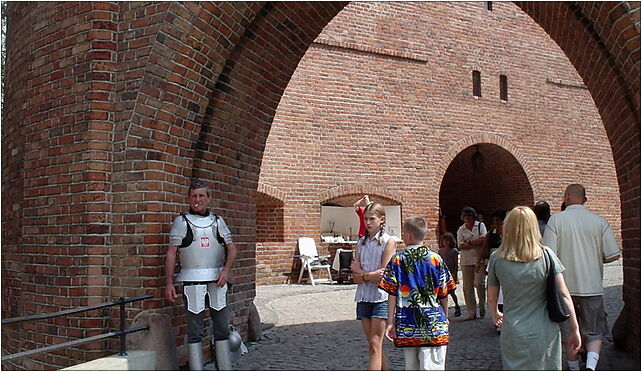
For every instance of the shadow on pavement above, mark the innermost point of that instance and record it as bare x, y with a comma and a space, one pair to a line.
341, 345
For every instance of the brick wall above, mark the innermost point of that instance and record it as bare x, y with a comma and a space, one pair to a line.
62, 128
111, 107
602, 41
384, 102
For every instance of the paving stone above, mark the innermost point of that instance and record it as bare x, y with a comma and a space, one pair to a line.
314, 328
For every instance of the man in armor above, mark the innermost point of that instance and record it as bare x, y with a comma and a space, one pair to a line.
207, 254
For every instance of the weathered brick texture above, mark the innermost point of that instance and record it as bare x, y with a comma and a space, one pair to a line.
389, 103
110, 108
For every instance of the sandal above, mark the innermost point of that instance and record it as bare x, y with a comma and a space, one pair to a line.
457, 311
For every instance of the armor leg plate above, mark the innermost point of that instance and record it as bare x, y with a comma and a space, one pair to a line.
195, 297
217, 296
223, 357
195, 355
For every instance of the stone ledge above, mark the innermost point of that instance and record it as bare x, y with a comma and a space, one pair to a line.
135, 360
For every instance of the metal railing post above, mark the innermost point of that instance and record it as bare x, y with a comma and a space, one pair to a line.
123, 335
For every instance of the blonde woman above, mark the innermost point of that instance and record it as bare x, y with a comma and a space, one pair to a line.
529, 339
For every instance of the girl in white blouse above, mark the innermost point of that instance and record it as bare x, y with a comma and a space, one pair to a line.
374, 250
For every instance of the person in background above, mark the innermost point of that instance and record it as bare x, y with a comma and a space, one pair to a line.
364, 201
470, 238
441, 226
584, 242
529, 339
543, 212
491, 244
450, 255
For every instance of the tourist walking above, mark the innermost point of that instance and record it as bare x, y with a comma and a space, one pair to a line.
529, 339
583, 241
470, 238
373, 253
418, 283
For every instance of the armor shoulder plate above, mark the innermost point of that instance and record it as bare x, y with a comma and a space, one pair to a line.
189, 236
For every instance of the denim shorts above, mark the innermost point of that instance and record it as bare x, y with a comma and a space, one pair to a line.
369, 310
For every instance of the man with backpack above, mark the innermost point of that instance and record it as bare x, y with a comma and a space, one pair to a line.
207, 255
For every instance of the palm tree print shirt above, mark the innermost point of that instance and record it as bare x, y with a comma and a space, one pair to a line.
418, 278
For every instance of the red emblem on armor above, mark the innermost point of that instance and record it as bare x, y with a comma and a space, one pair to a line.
205, 242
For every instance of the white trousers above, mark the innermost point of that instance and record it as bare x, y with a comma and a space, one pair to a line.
430, 358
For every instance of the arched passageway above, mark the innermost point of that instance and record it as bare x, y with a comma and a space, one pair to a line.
496, 181
111, 107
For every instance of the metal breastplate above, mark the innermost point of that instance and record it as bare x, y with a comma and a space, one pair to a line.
204, 258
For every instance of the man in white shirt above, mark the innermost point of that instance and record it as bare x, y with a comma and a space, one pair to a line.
583, 241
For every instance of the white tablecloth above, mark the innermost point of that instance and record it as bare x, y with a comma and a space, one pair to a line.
336, 265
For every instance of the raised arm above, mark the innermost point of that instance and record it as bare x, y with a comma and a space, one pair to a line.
364, 201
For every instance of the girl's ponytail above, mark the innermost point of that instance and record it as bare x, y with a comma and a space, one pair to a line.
381, 231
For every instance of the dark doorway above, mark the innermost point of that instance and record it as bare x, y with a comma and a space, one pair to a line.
486, 177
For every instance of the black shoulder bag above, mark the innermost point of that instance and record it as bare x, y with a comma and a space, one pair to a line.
555, 305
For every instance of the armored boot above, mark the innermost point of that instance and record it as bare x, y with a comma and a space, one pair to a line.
195, 355
223, 357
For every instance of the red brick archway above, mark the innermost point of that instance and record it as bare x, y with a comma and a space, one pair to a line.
480, 138
111, 107
503, 184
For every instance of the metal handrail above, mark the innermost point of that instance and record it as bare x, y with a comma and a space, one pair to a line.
122, 332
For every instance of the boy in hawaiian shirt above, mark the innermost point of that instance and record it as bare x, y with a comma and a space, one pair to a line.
418, 283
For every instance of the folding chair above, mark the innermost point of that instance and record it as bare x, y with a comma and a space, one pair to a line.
310, 260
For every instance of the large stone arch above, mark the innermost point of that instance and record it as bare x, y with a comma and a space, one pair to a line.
96, 156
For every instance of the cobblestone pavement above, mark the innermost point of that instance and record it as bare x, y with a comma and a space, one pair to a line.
314, 328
